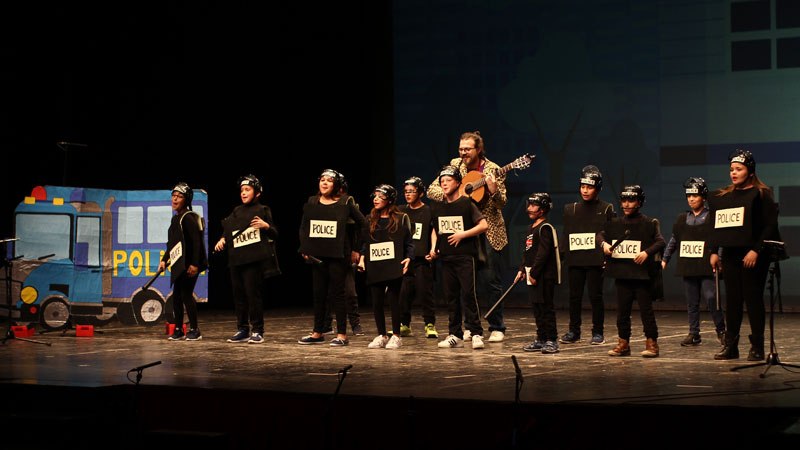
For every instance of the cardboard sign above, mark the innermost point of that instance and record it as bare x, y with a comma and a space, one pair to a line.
692, 249
627, 249
247, 237
731, 217
451, 224
381, 251
581, 241
417, 231
325, 229
175, 254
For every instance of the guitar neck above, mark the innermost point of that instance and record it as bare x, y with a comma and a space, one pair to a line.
501, 171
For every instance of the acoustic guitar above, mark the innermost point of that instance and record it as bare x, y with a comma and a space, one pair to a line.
473, 185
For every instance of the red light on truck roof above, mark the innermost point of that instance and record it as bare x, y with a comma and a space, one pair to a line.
39, 193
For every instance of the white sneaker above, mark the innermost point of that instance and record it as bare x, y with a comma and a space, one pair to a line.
394, 342
497, 336
379, 342
477, 342
451, 341
467, 335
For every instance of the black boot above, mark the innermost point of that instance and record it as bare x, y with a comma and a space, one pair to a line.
731, 348
756, 348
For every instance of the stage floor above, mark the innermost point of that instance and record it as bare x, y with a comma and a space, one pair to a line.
580, 373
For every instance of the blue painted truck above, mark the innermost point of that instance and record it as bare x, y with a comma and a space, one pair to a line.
84, 254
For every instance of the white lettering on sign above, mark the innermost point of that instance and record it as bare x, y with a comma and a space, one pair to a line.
381, 251
323, 229
417, 231
627, 249
175, 254
692, 249
731, 217
247, 237
451, 224
581, 241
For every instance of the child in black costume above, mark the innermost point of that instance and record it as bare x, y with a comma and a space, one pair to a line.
634, 266
418, 281
541, 268
386, 257
186, 253
249, 236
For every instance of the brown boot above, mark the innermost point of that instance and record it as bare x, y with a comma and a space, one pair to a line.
622, 349
651, 349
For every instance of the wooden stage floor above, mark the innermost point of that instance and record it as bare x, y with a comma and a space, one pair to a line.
581, 375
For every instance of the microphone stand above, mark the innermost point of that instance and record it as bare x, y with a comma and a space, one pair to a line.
326, 416
772, 357
517, 389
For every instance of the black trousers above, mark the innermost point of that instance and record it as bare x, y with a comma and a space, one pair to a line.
418, 283
382, 291
328, 281
248, 304
351, 303
744, 287
182, 297
592, 277
541, 297
458, 286
629, 291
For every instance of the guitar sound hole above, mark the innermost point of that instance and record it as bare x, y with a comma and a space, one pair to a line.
468, 189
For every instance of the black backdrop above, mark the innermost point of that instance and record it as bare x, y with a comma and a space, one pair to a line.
202, 92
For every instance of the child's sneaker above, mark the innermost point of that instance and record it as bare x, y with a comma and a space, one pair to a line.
394, 342
550, 347
193, 335
467, 335
255, 338
310, 339
451, 341
405, 330
177, 334
430, 331
339, 342
534, 346
240, 336
379, 342
477, 342
570, 338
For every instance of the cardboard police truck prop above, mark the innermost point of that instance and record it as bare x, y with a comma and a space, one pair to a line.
84, 255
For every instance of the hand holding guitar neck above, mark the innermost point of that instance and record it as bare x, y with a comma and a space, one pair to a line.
473, 184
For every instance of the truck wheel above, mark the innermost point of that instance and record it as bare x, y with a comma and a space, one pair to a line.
148, 308
54, 314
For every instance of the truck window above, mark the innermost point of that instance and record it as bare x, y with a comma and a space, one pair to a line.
158, 220
43, 234
130, 221
88, 233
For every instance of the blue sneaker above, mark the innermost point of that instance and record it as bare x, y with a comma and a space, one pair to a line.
339, 342
534, 346
550, 347
255, 338
598, 339
310, 339
570, 338
240, 336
